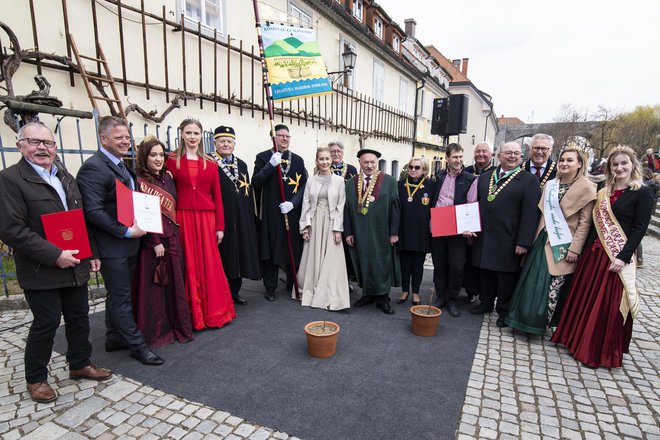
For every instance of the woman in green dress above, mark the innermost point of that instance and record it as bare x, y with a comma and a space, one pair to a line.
566, 208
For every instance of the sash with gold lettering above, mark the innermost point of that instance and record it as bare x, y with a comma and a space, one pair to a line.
167, 202
613, 240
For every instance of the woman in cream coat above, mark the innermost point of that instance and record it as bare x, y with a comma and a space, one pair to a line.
322, 274
545, 276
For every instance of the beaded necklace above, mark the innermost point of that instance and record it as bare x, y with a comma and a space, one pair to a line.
492, 191
366, 198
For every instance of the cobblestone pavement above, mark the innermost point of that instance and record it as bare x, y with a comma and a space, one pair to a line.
519, 387
526, 387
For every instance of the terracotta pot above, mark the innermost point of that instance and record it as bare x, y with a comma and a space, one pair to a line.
322, 345
423, 324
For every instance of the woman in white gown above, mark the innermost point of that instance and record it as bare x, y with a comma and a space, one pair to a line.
322, 274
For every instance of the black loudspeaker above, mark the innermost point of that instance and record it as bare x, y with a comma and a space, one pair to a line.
458, 115
440, 114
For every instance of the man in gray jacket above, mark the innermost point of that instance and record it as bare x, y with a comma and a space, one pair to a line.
54, 280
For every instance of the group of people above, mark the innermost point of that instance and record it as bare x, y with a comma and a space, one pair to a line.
541, 221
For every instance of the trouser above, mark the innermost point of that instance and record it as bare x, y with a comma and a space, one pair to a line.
270, 273
448, 254
470, 273
120, 327
412, 267
48, 306
498, 285
235, 285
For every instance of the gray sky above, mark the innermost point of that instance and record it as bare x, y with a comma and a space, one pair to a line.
534, 56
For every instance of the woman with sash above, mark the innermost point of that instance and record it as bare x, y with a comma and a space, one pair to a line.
415, 191
596, 324
566, 207
160, 306
322, 276
200, 213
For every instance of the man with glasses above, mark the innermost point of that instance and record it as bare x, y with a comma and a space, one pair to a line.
339, 167
455, 186
508, 198
271, 229
539, 162
54, 280
118, 244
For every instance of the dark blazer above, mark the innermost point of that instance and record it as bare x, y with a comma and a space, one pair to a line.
553, 173
96, 179
25, 197
508, 221
633, 211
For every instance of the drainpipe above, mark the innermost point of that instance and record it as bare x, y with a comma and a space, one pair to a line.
415, 115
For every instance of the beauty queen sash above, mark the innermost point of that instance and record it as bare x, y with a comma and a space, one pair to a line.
613, 240
559, 233
167, 202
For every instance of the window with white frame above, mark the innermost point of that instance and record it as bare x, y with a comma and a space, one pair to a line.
210, 13
422, 98
348, 79
396, 43
299, 15
378, 27
358, 7
382, 165
403, 95
379, 81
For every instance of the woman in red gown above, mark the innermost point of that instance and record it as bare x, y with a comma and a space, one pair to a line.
200, 213
160, 307
596, 323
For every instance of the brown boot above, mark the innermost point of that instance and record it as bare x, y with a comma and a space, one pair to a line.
90, 372
41, 392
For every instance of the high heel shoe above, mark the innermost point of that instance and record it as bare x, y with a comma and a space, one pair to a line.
416, 302
402, 298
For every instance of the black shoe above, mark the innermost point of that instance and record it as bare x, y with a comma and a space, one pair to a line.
238, 300
289, 285
480, 309
403, 299
386, 308
471, 298
113, 346
363, 301
270, 295
418, 302
146, 356
500, 322
441, 302
453, 309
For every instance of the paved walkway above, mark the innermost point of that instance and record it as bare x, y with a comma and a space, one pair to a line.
520, 387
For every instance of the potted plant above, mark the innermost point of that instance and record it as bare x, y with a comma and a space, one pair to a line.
322, 337
425, 319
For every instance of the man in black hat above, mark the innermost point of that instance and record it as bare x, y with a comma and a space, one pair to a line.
371, 227
273, 245
239, 246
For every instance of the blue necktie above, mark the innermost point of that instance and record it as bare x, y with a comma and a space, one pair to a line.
126, 174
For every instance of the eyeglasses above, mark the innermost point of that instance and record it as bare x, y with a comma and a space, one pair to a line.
35, 142
544, 149
510, 153
414, 167
284, 136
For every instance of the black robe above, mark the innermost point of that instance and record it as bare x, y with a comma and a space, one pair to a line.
508, 221
239, 249
414, 226
350, 172
270, 224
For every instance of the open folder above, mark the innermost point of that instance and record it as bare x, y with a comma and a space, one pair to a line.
143, 209
455, 219
67, 231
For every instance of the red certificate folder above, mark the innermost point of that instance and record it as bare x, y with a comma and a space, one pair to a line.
67, 231
125, 214
443, 221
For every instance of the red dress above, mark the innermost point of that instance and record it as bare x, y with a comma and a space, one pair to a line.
591, 325
199, 213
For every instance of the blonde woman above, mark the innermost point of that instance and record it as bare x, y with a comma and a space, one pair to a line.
322, 277
199, 212
566, 206
596, 325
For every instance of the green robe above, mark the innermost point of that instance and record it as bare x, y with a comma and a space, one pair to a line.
375, 261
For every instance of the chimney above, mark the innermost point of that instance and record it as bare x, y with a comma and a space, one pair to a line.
464, 66
410, 27
456, 64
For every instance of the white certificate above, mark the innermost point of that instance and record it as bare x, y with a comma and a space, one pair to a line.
146, 209
467, 218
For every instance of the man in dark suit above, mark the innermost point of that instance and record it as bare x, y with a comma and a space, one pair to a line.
539, 162
118, 244
508, 198
339, 167
273, 246
54, 280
